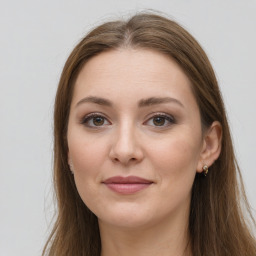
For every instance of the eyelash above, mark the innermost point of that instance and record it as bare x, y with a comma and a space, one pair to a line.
90, 117
170, 119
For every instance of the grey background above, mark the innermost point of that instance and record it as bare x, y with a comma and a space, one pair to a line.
36, 38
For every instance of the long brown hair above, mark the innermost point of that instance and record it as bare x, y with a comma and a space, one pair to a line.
217, 224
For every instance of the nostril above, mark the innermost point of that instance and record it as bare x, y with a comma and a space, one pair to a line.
117, 160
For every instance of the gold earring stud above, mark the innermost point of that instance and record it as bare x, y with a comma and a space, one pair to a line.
205, 170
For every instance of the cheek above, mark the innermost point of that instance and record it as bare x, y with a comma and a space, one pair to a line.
87, 158
175, 163
176, 157
87, 155
85, 152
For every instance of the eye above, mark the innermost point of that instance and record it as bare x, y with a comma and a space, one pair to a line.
160, 120
94, 120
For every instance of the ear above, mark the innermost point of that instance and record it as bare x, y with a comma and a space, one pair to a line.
211, 146
70, 163
68, 156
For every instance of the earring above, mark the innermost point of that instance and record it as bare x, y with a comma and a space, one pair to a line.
205, 170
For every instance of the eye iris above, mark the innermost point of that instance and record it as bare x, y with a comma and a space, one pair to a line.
97, 121
158, 121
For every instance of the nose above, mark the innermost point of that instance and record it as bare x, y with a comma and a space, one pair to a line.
125, 147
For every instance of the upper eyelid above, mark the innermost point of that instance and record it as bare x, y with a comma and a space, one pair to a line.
93, 114
163, 114
151, 115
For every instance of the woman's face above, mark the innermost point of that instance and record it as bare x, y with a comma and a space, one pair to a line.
134, 138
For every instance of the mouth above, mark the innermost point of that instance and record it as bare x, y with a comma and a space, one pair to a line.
127, 185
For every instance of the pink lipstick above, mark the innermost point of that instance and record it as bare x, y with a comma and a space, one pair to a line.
127, 185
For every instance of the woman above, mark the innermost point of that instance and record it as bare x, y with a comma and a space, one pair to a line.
139, 119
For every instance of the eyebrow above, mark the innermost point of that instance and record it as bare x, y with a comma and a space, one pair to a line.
157, 100
142, 103
96, 100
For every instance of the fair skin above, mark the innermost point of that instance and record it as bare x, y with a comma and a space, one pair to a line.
133, 114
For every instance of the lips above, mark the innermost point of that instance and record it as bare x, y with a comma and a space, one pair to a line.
127, 185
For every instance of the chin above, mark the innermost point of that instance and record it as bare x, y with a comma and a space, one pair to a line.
122, 215
129, 218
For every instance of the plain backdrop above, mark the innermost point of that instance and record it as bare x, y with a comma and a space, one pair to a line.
36, 37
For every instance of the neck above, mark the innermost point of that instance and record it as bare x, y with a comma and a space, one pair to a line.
168, 238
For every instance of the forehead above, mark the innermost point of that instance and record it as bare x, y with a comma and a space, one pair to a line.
132, 74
